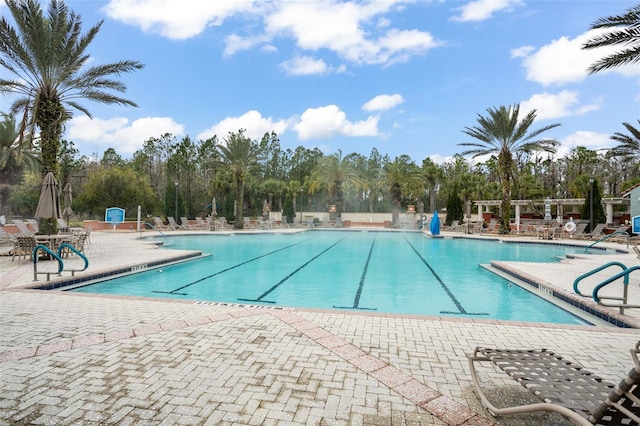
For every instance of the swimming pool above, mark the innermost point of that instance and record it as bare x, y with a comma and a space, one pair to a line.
386, 272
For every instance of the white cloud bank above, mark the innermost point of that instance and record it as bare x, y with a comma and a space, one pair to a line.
359, 33
564, 61
118, 133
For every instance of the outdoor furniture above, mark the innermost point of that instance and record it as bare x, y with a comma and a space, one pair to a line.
172, 224
563, 386
185, 223
596, 233
22, 227
157, 222
24, 246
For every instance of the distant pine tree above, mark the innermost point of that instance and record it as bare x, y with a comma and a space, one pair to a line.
287, 209
454, 208
598, 210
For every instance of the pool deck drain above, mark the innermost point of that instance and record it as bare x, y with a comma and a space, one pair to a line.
84, 358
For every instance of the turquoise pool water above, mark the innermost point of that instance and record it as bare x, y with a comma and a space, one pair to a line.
384, 272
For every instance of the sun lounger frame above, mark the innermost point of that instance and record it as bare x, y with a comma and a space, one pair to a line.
564, 387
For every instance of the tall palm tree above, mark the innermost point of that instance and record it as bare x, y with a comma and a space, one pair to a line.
238, 155
331, 173
502, 133
48, 57
629, 147
397, 175
622, 30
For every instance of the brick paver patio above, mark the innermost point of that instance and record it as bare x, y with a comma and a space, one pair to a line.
70, 358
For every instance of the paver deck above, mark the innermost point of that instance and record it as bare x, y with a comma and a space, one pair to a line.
70, 358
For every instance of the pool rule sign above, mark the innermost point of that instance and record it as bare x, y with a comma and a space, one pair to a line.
114, 216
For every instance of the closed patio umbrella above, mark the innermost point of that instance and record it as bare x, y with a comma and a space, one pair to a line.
68, 198
214, 211
49, 203
435, 224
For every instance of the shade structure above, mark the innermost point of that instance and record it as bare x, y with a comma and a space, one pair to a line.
68, 198
435, 224
49, 203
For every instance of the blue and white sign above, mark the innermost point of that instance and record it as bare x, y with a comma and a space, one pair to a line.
114, 215
635, 222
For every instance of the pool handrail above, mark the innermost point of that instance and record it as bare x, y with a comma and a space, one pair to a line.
76, 251
51, 253
593, 271
156, 228
624, 305
617, 232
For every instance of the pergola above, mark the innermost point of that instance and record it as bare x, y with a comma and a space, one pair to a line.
483, 205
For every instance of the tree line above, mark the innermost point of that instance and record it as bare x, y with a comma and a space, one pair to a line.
50, 69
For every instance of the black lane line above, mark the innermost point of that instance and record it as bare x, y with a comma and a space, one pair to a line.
445, 287
228, 269
356, 300
266, 293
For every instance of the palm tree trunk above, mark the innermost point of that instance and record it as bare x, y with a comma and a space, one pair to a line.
49, 118
504, 167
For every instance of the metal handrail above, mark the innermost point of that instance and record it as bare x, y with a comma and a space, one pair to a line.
617, 232
588, 274
50, 252
623, 274
76, 251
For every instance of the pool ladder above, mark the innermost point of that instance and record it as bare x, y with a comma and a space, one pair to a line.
624, 274
58, 257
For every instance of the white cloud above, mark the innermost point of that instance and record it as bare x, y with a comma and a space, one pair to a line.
590, 140
172, 18
358, 32
383, 102
353, 35
235, 43
564, 61
481, 10
119, 133
305, 65
549, 106
328, 121
252, 121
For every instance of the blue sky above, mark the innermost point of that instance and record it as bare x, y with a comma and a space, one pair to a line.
405, 77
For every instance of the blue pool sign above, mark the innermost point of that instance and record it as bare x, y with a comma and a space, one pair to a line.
635, 228
114, 215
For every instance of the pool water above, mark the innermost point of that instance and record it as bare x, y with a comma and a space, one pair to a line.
385, 272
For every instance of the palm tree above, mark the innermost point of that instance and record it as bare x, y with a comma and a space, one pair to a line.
501, 133
238, 155
629, 147
331, 173
48, 57
621, 30
397, 175
13, 159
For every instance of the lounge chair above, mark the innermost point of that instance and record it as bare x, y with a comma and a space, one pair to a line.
596, 233
22, 227
159, 224
34, 225
579, 232
564, 387
185, 223
172, 224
